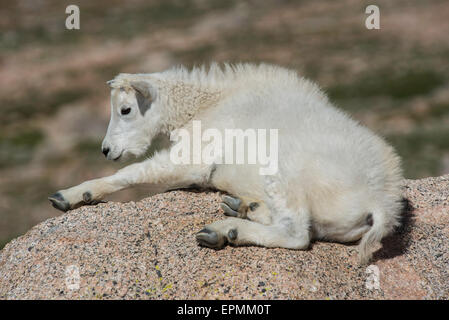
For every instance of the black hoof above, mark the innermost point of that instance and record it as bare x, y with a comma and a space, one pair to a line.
58, 201
233, 203
228, 211
232, 234
253, 206
209, 238
87, 197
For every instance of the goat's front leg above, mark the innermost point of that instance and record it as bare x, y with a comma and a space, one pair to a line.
157, 170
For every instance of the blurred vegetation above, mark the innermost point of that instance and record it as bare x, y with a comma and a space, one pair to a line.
17, 149
431, 145
408, 83
118, 20
36, 103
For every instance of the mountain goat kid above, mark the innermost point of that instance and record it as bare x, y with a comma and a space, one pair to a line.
336, 180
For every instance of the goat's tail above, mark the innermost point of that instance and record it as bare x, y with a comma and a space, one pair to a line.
382, 224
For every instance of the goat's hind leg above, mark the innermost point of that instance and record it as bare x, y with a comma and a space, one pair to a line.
244, 232
246, 208
290, 227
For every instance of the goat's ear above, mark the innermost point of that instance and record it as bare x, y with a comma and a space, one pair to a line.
143, 88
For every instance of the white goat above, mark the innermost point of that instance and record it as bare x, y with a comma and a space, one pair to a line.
336, 180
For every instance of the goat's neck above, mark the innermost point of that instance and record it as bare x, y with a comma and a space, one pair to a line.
183, 101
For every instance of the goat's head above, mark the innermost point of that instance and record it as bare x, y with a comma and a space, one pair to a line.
135, 119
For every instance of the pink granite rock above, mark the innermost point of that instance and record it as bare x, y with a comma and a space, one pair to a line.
147, 250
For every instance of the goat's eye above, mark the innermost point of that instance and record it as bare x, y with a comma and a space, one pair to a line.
125, 111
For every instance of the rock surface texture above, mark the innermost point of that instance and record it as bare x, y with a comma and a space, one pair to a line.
147, 250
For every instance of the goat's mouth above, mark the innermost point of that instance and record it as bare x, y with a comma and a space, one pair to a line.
119, 156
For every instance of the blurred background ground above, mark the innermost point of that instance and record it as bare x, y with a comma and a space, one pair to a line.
54, 102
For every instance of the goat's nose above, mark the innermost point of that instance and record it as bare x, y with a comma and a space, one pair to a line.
105, 151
